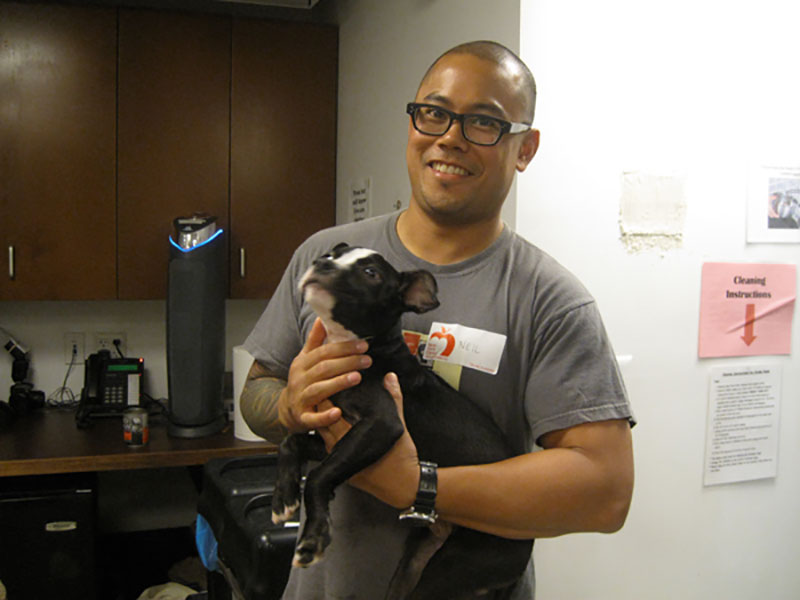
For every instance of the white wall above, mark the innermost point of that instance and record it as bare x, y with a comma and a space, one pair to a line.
701, 88
384, 49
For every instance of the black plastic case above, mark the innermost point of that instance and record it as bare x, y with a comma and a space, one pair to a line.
237, 503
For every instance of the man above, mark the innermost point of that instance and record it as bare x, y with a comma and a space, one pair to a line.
557, 385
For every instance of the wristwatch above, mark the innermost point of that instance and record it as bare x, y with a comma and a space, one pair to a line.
423, 511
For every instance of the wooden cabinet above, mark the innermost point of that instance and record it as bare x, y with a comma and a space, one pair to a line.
283, 146
113, 122
174, 117
57, 152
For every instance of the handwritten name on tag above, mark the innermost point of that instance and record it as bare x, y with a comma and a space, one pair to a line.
465, 346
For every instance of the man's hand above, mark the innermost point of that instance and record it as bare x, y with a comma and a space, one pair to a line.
394, 478
318, 372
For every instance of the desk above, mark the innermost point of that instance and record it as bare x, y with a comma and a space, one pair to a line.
48, 442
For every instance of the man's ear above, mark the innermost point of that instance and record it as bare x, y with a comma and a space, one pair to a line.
418, 290
527, 150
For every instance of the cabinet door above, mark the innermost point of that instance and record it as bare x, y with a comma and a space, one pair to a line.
283, 146
174, 89
57, 146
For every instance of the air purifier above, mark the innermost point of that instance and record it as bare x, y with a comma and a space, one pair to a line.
196, 327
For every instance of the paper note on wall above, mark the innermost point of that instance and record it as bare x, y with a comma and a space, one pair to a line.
746, 309
743, 421
360, 200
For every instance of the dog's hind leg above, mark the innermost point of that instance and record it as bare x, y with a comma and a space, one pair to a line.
421, 544
293, 452
364, 444
471, 564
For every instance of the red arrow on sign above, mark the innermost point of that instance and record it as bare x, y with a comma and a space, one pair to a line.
749, 324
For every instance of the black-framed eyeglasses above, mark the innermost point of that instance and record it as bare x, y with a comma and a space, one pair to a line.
482, 130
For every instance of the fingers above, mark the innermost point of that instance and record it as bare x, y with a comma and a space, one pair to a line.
321, 420
318, 372
316, 337
331, 363
392, 385
327, 370
335, 431
328, 360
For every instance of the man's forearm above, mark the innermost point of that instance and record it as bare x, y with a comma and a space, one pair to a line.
259, 404
545, 494
582, 482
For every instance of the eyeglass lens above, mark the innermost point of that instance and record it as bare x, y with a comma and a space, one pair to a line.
476, 128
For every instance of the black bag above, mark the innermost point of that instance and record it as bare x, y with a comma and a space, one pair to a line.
236, 500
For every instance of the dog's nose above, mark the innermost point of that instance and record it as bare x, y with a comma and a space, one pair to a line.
324, 264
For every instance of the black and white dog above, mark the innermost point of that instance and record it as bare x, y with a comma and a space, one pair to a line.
358, 294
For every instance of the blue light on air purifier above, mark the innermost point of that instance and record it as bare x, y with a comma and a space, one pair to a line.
200, 245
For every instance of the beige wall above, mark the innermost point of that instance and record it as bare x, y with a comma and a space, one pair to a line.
385, 47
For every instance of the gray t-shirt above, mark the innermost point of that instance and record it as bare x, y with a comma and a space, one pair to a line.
557, 370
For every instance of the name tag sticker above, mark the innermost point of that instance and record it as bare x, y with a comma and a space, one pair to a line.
465, 346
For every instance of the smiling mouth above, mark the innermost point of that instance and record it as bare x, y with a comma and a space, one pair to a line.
448, 169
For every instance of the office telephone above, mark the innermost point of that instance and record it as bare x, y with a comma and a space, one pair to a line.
110, 384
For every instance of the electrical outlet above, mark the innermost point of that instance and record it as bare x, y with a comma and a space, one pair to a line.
105, 341
76, 341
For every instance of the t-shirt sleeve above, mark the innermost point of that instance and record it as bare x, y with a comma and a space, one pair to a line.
574, 376
280, 332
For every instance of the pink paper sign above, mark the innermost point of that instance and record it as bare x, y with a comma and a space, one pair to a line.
746, 309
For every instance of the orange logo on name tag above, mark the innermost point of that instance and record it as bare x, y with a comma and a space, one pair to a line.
447, 344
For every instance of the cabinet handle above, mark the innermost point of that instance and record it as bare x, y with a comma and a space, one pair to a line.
11, 262
241, 263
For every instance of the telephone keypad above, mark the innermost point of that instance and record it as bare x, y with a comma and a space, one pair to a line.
114, 395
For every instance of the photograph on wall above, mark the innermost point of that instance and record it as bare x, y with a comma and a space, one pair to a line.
773, 205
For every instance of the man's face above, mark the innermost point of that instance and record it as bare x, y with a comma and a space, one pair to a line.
455, 181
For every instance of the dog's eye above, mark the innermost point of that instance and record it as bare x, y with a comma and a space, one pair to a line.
371, 273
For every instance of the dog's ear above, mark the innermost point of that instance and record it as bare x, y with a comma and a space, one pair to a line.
418, 289
340, 246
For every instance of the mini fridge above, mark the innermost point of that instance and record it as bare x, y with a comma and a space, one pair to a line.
47, 537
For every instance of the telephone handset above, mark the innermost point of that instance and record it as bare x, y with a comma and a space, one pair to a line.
110, 384
91, 379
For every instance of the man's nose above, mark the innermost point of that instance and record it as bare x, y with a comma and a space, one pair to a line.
454, 136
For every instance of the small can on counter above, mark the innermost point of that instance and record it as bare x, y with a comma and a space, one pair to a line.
135, 429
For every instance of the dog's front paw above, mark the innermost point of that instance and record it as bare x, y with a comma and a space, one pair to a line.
282, 512
285, 499
310, 549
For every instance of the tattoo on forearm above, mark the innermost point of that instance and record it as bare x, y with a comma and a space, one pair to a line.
259, 404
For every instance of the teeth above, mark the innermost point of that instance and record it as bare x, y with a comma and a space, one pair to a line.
449, 169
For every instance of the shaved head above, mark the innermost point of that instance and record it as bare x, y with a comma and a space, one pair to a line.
506, 59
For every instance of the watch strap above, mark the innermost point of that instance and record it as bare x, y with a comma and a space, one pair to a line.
423, 511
